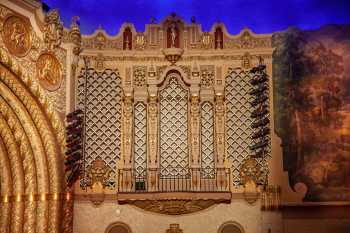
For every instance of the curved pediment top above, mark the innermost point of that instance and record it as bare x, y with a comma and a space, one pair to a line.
101, 31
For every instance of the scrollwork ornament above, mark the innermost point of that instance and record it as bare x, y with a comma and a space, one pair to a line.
53, 30
16, 34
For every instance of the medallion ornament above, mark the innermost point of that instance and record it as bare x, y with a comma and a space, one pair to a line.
49, 71
16, 35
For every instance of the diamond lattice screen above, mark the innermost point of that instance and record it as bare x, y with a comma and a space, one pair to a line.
238, 119
173, 129
140, 138
207, 140
103, 116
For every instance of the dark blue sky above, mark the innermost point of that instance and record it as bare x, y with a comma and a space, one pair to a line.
261, 16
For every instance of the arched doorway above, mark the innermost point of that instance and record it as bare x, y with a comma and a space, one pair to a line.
231, 227
118, 227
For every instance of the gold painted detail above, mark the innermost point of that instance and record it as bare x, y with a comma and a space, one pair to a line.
98, 175
246, 61
271, 198
49, 71
35, 197
140, 41
248, 41
207, 40
16, 34
4, 11
139, 76
250, 173
53, 30
207, 76
174, 228
174, 206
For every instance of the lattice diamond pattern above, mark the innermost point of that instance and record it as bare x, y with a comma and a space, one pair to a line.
173, 128
140, 138
207, 140
103, 117
238, 119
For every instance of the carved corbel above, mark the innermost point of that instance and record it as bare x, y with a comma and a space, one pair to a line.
250, 173
97, 180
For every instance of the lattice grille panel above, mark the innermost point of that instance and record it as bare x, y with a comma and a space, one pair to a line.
238, 119
140, 138
173, 128
207, 139
103, 117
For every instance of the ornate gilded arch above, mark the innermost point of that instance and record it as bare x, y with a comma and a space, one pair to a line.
31, 154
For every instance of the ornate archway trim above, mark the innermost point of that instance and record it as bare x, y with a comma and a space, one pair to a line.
28, 116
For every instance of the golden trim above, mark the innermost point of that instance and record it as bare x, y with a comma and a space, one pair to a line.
36, 197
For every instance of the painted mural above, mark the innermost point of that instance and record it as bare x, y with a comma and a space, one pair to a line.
311, 72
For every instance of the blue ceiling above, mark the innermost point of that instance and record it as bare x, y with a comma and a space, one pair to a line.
261, 16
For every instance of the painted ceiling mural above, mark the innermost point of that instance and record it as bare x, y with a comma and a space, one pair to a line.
311, 71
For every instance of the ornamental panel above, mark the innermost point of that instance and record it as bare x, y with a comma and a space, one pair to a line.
173, 128
103, 100
238, 121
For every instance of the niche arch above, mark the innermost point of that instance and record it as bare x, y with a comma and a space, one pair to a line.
118, 227
231, 227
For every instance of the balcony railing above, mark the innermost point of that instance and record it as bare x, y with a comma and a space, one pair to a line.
174, 180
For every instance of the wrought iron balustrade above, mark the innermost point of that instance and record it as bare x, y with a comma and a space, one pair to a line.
183, 180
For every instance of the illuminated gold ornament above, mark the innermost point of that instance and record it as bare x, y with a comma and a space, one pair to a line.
49, 71
16, 36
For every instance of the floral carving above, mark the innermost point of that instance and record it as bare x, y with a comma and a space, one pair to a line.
53, 30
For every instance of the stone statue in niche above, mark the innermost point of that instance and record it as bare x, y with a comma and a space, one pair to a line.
173, 34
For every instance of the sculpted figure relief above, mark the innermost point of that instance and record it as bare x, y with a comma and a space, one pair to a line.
49, 71
16, 36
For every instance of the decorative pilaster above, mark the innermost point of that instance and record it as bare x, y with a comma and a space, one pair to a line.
152, 141
195, 130
127, 139
220, 129
195, 127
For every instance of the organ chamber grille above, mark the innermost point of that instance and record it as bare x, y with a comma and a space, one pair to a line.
207, 140
140, 138
238, 121
173, 128
103, 117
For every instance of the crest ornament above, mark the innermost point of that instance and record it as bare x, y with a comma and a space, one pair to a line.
16, 34
206, 40
49, 71
53, 30
140, 41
